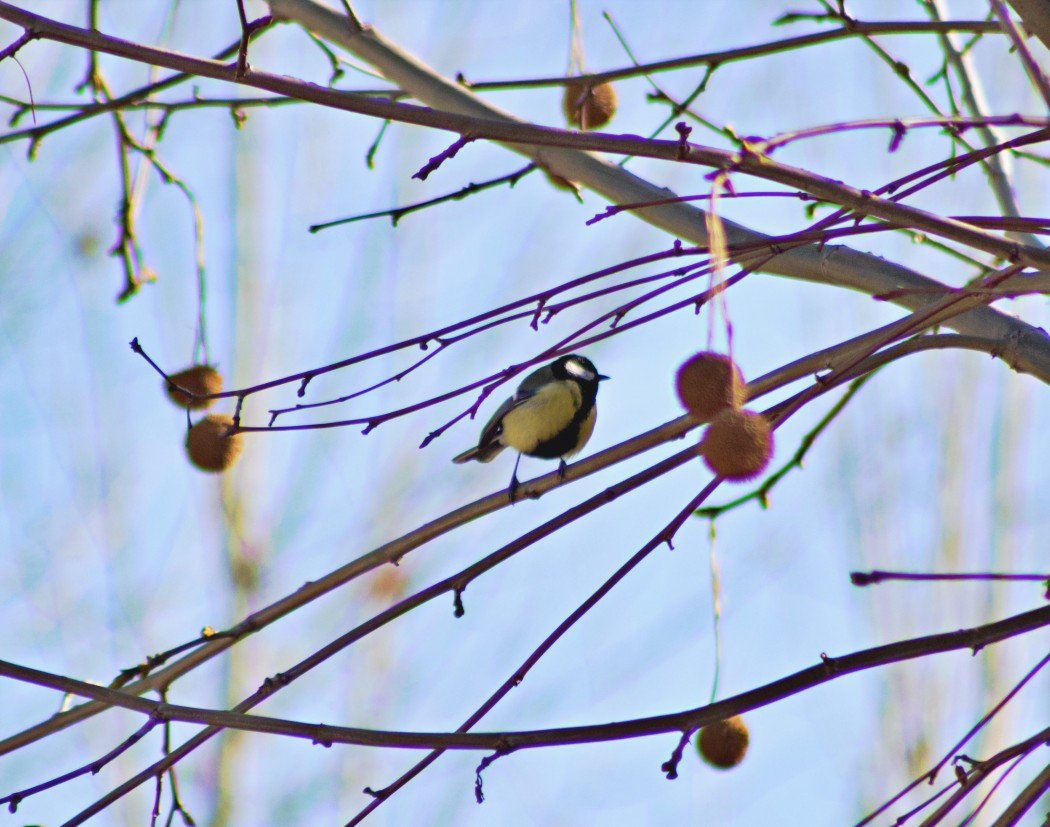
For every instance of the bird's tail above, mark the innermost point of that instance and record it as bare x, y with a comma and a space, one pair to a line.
482, 453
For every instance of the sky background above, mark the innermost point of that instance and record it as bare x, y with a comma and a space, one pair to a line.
115, 547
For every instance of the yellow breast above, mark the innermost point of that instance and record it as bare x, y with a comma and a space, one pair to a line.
542, 416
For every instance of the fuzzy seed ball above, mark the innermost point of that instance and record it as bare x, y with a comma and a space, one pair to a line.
588, 107
709, 382
723, 744
738, 444
208, 446
200, 379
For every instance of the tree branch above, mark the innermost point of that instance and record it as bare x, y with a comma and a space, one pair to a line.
829, 669
568, 155
841, 266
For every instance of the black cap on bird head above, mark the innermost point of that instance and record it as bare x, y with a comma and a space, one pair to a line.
574, 366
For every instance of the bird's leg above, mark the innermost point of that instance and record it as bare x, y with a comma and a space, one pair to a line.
513, 490
561, 468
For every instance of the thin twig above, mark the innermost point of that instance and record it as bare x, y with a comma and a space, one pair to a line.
665, 535
14, 799
931, 775
397, 213
1027, 799
1031, 65
854, 29
445, 155
11, 49
997, 166
872, 578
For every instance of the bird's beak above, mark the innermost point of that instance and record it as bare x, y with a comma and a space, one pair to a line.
601, 376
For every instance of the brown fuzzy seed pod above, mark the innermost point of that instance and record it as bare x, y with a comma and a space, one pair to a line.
200, 379
707, 383
588, 107
208, 445
723, 744
738, 444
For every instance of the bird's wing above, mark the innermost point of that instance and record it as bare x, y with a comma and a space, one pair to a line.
533, 382
526, 390
489, 444
494, 427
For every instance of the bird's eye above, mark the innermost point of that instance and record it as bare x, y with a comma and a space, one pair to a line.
574, 368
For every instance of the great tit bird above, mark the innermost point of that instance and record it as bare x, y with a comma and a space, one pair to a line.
550, 416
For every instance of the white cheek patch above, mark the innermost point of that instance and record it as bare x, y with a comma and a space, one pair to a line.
574, 368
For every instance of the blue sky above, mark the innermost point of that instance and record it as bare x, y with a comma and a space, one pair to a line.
118, 548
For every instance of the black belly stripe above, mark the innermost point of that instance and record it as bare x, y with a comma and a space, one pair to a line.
565, 441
